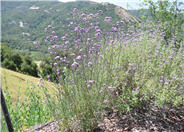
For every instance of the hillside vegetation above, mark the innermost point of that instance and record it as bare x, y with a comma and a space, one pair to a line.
17, 83
23, 23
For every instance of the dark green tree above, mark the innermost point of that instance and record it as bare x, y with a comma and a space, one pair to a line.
9, 64
29, 67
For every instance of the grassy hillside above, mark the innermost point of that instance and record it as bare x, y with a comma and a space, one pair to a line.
16, 83
23, 23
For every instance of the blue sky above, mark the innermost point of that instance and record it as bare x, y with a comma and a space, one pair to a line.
127, 4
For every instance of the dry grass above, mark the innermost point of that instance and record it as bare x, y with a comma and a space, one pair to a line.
17, 83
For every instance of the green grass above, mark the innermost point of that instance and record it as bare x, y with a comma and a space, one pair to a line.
25, 100
17, 82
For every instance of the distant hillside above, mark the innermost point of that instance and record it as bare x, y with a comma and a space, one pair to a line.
23, 23
140, 13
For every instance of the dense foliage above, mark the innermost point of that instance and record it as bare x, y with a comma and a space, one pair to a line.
170, 15
15, 61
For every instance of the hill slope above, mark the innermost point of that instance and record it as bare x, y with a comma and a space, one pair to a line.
16, 82
23, 23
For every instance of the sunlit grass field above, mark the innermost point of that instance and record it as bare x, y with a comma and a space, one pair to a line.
16, 83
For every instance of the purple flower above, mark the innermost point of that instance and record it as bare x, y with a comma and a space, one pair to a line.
76, 29
97, 34
57, 57
89, 39
97, 23
72, 54
89, 63
49, 26
79, 58
91, 15
67, 42
105, 101
83, 14
68, 19
88, 86
80, 50
112, 41
111, 88
55, 64
31, 87
91, 81
85, 19
114, 29
100, 12
101, 91
74, 64
108, 19
122, 22
63, 38
53, 32
166, 83
78, 121
75, 9
85, 56
55, 37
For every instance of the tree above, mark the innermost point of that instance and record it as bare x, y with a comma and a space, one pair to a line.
29, 67
171, 17
9, 64
17, 59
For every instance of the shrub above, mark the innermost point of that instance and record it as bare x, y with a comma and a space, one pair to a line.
171, 17
114, 68
9, 64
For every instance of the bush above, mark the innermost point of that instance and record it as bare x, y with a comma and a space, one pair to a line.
9, 64
28, 67
111, 68
170, 16
15, 61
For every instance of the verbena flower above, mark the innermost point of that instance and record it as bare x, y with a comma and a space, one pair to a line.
75, 64
55, 64
108, 19
83, 14
91, 81
105, 101
72, 54
79, 58
57, 57
89, 63
111, 88
75, 9
100, 12
101, 91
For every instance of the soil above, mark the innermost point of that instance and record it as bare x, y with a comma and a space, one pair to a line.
145, 119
